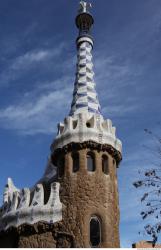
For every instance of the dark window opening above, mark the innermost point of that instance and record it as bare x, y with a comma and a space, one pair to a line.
75, 123
31, 197
95, 231
88, 125
105, 167
75, 158
90, 162
47, 191
60, 164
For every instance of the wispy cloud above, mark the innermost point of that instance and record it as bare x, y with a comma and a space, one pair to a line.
36, 114
114, 78
25, 62
32, 57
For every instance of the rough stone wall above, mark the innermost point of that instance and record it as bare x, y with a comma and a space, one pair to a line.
40, 235
84, 194
44, 240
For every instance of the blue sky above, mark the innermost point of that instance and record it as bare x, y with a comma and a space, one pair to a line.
37, 68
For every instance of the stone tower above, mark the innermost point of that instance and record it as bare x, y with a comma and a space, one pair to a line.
75, 203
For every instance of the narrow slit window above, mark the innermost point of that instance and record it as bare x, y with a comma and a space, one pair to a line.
91, 162
75, 158
95, 231
105, 166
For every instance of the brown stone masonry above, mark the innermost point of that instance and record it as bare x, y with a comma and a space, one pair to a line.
40, 235
85, 194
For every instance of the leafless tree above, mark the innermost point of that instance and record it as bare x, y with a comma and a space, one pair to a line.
150, 181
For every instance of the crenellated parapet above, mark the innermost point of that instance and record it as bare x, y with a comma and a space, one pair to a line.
86, 127
28, 206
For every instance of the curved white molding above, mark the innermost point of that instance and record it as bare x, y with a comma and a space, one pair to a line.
85, 39
17, 209
86, 127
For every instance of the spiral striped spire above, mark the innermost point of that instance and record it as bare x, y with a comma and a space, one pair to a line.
85, 122
84, 95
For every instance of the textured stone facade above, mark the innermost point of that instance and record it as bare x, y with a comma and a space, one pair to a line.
40, 235
85, 194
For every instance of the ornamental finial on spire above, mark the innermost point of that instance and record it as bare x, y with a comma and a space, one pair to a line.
84, 19
84, 6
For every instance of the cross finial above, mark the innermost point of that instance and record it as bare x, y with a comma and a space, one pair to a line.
84, 6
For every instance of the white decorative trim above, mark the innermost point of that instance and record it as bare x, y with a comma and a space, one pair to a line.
8, 196
85, 39
86, 127
17, 209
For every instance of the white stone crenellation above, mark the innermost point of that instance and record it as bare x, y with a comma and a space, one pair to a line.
21, 207
86, 127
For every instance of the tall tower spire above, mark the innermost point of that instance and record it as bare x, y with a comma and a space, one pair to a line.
75, 203
84, 96
87, 153
85, 121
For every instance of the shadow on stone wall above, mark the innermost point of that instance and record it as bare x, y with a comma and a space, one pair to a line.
39, 235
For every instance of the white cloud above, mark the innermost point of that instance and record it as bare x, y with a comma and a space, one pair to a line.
113, 80
108, 67
23, 63
36, 114
36, 56
29, 58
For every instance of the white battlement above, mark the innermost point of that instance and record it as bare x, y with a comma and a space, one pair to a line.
21, 207
86, 127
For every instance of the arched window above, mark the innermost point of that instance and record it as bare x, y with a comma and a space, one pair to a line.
105, 167
75, 157
61, 165
91, 162
95, 231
